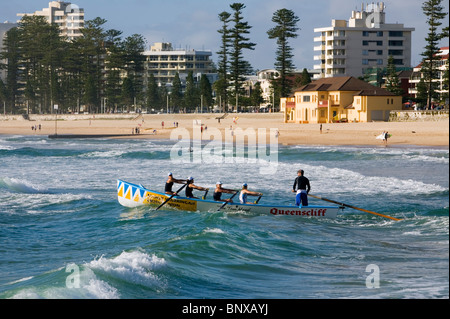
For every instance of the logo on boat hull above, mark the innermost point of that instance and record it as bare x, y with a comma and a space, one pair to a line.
303, 212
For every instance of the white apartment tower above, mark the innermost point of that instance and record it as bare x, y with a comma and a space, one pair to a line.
349, 48
163, 61
69, 17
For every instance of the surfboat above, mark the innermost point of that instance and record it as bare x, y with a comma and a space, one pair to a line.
133, 195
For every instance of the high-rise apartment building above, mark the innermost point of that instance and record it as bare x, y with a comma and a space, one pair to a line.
69, 17
365, 41
441, 65
164, 62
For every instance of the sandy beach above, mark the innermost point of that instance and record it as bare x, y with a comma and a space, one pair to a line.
422, 133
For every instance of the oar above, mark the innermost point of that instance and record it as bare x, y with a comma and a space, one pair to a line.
206, 193
228, 201
256, 202
350, 206
171, 197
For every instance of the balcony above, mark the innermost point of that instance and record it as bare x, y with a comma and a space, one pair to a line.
319, 66
319, 48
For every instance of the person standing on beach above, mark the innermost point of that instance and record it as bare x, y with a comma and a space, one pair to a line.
386, 136
301, 187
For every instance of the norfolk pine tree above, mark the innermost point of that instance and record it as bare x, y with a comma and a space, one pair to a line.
221, 85
433, 10
286, 27
239, 42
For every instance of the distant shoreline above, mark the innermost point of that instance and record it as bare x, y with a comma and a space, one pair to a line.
417, 133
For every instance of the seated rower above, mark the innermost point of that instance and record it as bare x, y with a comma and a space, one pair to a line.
245, 192
169, 184
190, 187
218, 193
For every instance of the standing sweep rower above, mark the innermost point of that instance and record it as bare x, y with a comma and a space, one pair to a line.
302, 188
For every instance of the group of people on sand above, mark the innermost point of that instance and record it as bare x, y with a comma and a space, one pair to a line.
301, 187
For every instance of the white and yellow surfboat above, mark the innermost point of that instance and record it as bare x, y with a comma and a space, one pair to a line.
133, 195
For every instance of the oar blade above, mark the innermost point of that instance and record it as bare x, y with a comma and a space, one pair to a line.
354, 207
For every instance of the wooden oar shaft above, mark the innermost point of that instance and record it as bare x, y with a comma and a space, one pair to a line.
225, 204
176, 193
354, 207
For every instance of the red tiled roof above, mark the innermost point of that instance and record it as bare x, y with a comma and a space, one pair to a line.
344, 83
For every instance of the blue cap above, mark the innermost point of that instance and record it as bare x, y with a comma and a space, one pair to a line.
190, 178
244, 185
170, 174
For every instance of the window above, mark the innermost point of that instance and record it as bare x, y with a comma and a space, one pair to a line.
379, 33
395, 52
395, 43
365, 61
365, 52
395, 33
379, 43
306, 98
380, 61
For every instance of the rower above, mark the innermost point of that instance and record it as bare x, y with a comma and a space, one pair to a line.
218, 193
190, 187
245, 192
302, 188
169, 184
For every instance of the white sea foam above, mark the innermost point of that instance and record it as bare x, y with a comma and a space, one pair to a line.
351, 181
105, 154
21, 186
214, 230
135, 267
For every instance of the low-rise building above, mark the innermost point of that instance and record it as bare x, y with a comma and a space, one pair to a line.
340, 99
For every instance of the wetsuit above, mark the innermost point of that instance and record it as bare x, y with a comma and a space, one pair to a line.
302, 187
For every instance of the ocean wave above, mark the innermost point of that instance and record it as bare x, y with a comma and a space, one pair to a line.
21, 186
135, 267
345, 181
102, 278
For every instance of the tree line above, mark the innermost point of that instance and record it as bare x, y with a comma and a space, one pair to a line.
45, 69
232, 65
101, 69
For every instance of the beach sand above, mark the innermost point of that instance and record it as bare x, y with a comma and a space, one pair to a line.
422, 133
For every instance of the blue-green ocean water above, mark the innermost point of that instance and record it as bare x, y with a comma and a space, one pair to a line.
64, 235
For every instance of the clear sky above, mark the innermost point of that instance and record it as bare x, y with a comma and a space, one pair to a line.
193, 24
